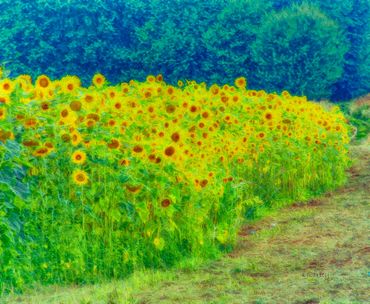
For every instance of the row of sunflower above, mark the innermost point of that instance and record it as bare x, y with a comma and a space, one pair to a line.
146, 173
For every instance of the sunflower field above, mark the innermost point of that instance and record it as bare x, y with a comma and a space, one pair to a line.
98, 181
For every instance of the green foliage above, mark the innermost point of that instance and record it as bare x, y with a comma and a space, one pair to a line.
358, 115
169, 41
301, 50
228, 41
206, 41
15, 268
59, 37
353, 16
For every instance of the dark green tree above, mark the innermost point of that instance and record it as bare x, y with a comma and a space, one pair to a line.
170, 41
301, 50
229, 38
353, 16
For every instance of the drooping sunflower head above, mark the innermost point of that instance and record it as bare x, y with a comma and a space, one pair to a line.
114, 144
133, 188
4, 99
41, 152
76, 138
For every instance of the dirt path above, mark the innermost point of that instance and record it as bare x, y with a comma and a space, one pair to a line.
308, 253
317, 252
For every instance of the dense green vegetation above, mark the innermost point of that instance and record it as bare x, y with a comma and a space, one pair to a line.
213, 41
358, 115
305, 49
102, 177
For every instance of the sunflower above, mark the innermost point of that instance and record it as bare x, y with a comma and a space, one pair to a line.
41, 152
27, 78
165, 203
75, 105
78, 157
5, 135
112, 93
76, 138
169, 151
261, 135
30, 123
50, 146
43, 82
98, 80
30, 143
111, 123
150, 78
175, 136
80, 177
90, 123
241, 82
125, 87
170, 109
170, 90
124, 162
88, 98
214, 89
68, 117
69, 84
159, 78
6, 86
114, 144
133, 188
138, 149
268, 116
45, 105
25, 85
